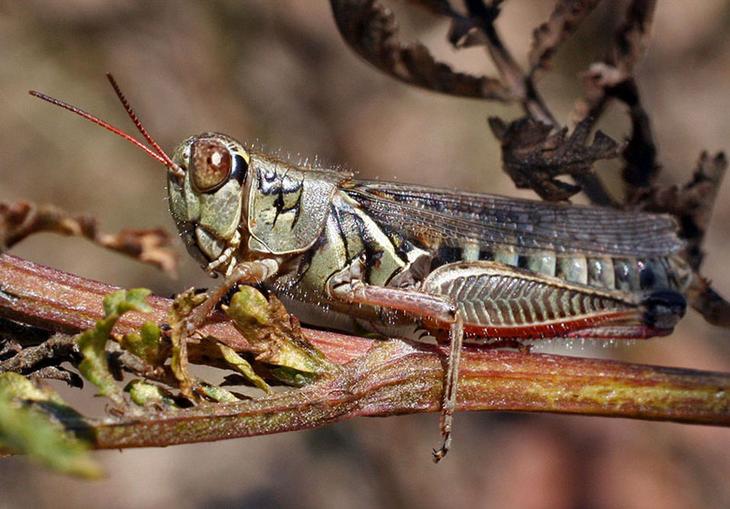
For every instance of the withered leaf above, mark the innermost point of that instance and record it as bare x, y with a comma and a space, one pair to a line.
21, 219
691, 204
603, 82
275, 336
627, 49
631, 36
564, 20
533, 154
149, 245
183, 305
464, 31
613, 79
370, 29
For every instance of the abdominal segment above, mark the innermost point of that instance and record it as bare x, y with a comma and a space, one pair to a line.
627, 274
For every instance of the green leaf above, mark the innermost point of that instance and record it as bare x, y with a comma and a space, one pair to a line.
217, 394
249, 306
293, 377
92, 343
121, 301
16, 386
95, 366
275, 337
243, 367
145, 344
145, 394
27, 430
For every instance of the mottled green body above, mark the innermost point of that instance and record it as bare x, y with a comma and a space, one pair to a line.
594, 269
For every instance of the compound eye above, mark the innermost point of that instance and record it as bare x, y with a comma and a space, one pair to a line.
211, 165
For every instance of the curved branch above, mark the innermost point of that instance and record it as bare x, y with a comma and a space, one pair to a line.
395, 377
379, 377
371, 31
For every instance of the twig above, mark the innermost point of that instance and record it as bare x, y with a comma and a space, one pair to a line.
20, 219
58, 348
518, 82
523, 86
379, 377
613, 79
395, 378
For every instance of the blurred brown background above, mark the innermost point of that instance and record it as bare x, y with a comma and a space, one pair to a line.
277, 72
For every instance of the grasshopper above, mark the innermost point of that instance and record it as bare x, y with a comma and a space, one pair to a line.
404, 260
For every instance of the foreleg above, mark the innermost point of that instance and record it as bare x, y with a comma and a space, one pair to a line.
244, 273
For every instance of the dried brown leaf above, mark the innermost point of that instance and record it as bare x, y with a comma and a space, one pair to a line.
691, 204
631, 36
603, 82
21, 219
370, 29
564, 20
533, 154
628, 47
150, 245
464, 31
711, 305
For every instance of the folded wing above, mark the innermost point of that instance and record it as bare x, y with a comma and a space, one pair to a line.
439, 217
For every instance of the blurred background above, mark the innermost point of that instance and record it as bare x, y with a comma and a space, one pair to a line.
278, 74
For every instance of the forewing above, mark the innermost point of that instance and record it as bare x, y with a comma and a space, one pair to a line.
436, 216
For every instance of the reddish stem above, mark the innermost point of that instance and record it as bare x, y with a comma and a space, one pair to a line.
380, 377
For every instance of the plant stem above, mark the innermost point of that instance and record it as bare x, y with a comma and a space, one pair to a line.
379, 377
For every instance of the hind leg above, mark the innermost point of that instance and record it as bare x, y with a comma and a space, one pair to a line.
433, 309
448, 401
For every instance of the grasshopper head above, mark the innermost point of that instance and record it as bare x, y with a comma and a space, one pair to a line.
206, 196
206, 177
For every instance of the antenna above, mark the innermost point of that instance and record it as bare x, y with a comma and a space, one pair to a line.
158, 154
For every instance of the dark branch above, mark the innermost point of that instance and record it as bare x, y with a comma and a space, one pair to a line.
371, 31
